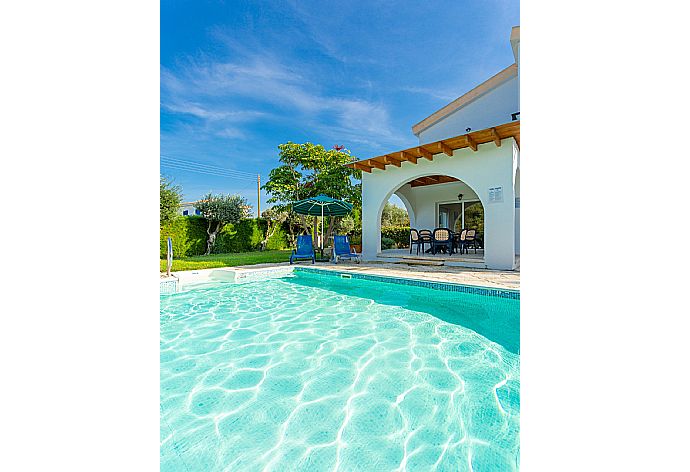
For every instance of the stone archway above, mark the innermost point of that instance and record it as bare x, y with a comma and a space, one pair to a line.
422, 201
487, 172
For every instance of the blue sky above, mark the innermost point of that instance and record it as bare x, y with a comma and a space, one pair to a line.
240, 77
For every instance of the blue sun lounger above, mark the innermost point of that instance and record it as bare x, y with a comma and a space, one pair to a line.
342, 249
305, 249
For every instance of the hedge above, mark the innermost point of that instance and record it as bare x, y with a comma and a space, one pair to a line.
189, 237
399, 234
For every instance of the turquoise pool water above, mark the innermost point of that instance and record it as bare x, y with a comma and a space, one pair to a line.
318, 373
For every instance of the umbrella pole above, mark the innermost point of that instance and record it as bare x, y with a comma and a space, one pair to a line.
321, 230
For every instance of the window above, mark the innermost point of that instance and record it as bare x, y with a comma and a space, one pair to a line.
197, 212
185, 213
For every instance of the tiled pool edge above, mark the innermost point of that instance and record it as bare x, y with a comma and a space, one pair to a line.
434, 285
245, 275
169, 285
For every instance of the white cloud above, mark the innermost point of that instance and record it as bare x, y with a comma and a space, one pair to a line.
218, 91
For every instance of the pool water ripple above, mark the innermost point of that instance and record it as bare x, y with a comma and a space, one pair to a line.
298, 374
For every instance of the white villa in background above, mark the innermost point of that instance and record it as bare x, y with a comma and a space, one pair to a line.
189, 209
470, 147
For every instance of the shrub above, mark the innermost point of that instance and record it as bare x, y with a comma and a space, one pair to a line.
244, 236
189, 237
399, 234
387, 243
278, 240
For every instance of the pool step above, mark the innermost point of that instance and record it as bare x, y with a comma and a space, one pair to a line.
425, 262
454, 261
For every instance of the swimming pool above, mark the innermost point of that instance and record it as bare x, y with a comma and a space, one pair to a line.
317, 372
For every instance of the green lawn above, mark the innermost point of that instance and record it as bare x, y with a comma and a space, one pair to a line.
228, 260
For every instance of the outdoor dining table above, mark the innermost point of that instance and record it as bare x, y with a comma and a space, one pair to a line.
452, 235
455, 235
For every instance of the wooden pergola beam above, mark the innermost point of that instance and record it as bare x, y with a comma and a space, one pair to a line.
390, 160
360, 166
446, 146
406, 156
497, 138
443, 147
425, 154
376, 164
471, 143
432, 180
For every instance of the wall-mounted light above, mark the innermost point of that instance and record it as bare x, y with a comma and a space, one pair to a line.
459, 197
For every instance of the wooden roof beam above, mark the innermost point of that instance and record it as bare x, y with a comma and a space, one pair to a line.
378, 165
471, 143
406, 156
360, 166
443, 147
425, 154
390, 160
497, 138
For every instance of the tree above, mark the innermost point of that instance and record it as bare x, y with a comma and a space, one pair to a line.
308, 170
274, 219
220, 210
170, 199
393, 215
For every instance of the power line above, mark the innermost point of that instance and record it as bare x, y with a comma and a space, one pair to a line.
201, 166
205, 169
184, 161
201, 171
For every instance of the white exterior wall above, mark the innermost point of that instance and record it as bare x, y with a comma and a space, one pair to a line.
490, 166
517, 211
491, 109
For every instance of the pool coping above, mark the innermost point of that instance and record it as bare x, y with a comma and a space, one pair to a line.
431, 284
243, 274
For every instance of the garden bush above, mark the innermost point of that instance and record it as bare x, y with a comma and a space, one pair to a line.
189, 237
243, 237
387, 243
399, 234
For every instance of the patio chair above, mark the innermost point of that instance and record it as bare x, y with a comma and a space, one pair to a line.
415, 240
425, 237
341, 249
459, 240
442, 239
471, 240
305, 249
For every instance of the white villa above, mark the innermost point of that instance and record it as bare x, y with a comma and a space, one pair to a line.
189, 209
468, 155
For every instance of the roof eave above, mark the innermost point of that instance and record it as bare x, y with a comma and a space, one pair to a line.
477, 92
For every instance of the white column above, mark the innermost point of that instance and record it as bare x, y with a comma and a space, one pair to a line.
499, 216
371, 223
499, 232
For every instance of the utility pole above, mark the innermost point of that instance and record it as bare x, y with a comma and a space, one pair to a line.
258, 195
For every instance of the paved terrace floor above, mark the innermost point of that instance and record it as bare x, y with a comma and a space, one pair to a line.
468, 276
405, 253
